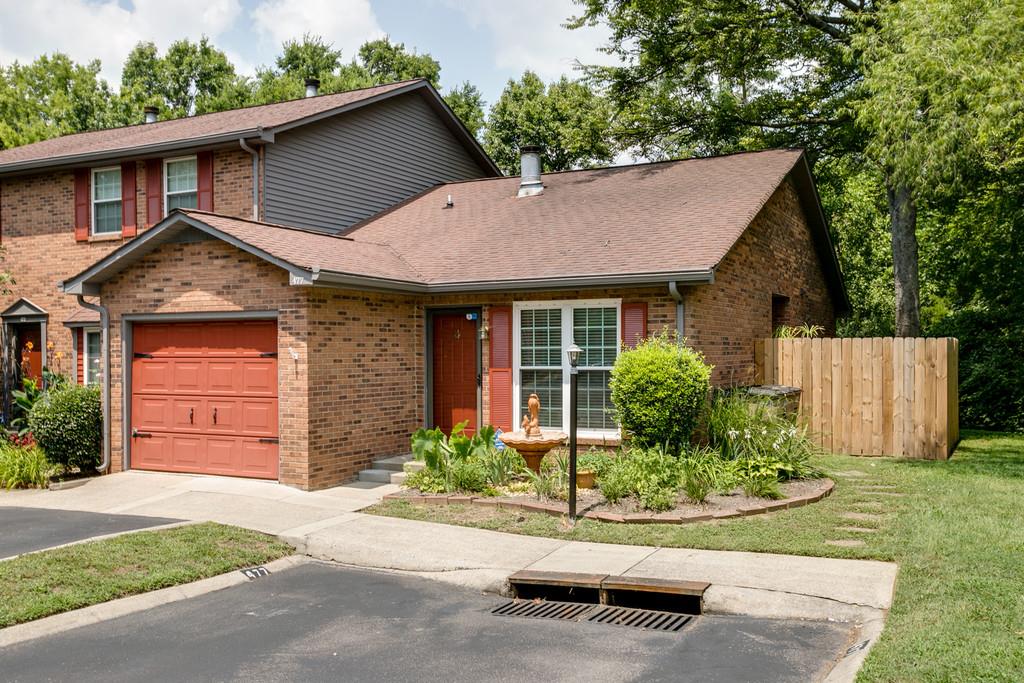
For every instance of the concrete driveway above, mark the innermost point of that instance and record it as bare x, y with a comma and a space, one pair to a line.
318, 622
24, 530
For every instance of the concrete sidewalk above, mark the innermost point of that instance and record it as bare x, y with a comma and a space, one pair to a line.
325, 525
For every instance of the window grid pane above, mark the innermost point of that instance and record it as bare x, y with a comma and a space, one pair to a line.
547, 384
92, 357
107, 217
106, 185
540, 338
185, 200
181, 176
594, 400
595, 330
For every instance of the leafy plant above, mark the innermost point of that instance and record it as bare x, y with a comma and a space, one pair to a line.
547, 484
23, 400
68, 425
24, 467
651, 474
803, 331
659, 389
614, 484
441, 453
702, 473
594, 461
468, 475
501, 466
427, 481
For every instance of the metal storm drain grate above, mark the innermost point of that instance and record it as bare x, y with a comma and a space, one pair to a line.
651, 620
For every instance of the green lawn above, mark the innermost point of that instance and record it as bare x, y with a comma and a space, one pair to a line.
52, 581
956, 530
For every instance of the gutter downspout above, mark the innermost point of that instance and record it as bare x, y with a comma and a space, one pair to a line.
255, 177
673, 290
105, 342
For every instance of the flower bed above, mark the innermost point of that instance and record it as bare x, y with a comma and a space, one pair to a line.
797, 494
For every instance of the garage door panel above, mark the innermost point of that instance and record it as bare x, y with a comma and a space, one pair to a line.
258, 457
183, 375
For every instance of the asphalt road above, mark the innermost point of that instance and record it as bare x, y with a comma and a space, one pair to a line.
324, 623
23, 530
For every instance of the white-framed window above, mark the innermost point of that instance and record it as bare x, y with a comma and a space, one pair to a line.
542, 331
106, 200
181, 184
91, 351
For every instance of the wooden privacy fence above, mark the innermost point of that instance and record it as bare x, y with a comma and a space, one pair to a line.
891, 396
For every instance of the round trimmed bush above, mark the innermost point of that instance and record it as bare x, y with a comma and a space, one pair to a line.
659, 389
67, 424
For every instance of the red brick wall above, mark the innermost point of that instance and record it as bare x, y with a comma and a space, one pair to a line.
38, 234
774, 256
214, 276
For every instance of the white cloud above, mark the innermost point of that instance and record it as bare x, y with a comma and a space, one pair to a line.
346, 24
87, 30
530, 34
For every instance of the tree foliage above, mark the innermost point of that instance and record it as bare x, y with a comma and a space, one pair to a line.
567, 118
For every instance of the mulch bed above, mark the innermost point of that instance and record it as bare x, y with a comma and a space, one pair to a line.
592, 505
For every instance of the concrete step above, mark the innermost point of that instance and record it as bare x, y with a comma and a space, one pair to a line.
394, 463
398, 478
414, 466
376, 475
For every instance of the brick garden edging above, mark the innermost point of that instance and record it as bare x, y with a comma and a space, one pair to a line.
559, 510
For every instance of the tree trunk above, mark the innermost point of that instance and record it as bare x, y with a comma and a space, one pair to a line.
903, 226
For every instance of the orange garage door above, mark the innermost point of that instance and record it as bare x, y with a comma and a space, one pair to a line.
204, 398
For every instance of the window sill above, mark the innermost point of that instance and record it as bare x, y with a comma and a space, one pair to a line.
105, 237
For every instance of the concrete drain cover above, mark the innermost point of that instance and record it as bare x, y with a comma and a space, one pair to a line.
651, 620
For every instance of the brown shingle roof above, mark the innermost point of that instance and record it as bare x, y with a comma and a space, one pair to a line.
645, 223
188, 129
667, 217
309, 249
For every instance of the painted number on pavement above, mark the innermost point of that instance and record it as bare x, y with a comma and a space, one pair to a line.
255, 572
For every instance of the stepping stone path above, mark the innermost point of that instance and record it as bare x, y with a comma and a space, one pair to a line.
846, 543
887, 494
857, 529
863, 516
852, 474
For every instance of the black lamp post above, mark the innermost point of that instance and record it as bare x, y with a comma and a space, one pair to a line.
574, 358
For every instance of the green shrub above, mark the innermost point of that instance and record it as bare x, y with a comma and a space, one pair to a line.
427, 481
67, 424
550, 483
501, 466
594, 461
614, 483
759, 478
24, 467
650, 474
659, 389
468, 476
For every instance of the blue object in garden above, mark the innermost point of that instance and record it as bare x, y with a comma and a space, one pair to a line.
498, 443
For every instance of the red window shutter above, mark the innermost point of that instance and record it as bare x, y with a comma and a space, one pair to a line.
82, 205
634, 323
128, 212
204, 181
80, 355
500, 372
154, 191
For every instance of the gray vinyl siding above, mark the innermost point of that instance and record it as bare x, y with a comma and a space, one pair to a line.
334, 173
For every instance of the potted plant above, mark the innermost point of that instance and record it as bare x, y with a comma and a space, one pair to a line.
585, 479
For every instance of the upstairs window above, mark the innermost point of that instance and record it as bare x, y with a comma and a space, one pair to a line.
91, 341
180, 184
106, 201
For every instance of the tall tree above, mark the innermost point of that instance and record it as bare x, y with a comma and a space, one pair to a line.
707, 76
567, 118
387, 62
468, 104
190, 78
52, 96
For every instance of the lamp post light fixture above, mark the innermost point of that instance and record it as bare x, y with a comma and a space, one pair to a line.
573, 352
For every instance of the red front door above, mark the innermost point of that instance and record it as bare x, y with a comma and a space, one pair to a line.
204, 398
454, 375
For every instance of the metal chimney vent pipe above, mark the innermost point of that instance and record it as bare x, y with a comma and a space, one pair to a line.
150, 113
312, 87
529, 171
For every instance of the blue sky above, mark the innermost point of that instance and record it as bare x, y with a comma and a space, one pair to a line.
483, 41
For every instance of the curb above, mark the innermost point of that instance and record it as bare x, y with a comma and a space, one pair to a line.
558, 510
86, 616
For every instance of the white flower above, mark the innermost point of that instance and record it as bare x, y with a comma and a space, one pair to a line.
764, 431
732, 433
746, 434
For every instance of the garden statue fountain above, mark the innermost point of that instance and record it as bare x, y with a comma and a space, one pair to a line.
530, 440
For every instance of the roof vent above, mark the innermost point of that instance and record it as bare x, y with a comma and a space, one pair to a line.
150, 113
529, 174
312, 87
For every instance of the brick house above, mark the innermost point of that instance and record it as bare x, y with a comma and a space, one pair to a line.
288, 291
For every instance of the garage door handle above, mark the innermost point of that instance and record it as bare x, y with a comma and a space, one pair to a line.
143, 355
214, 416
136, 434
268, 354
191, 416
269, 440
